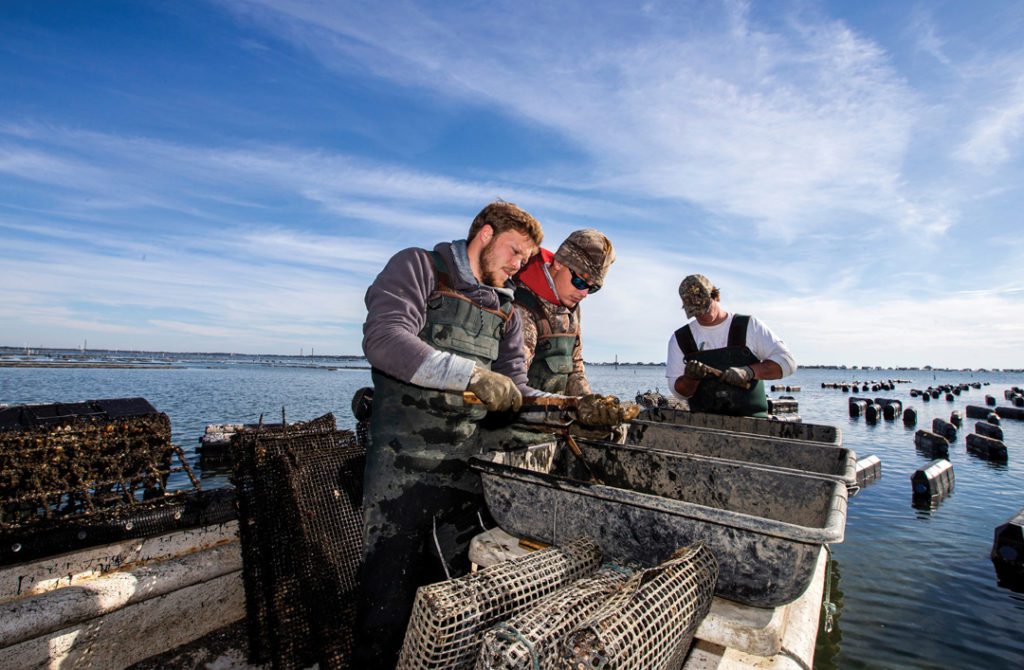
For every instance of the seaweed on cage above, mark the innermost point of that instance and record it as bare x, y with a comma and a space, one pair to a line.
76, 466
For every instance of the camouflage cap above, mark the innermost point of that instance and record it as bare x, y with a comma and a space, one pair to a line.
695, 290
588, 253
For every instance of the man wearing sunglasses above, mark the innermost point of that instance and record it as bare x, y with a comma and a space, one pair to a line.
549, 291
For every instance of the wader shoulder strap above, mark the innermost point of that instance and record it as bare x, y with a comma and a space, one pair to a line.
684, 338
738, 330
528, 299
444, 287
444, 280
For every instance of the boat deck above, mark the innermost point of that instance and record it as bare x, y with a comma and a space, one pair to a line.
165, 592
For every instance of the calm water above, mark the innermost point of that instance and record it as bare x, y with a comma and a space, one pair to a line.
915, 588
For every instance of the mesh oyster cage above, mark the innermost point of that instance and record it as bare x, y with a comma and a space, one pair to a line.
299, 491
449, 617
530, 640
63, 463
648, 624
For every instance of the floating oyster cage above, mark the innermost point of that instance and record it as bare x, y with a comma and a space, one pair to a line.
795, 430
765, 527
789, 455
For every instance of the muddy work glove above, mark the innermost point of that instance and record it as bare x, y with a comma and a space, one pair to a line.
696, 370
595, 409
496, 391
741, 376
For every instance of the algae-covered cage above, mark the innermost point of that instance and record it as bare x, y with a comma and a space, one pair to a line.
78, 474
764, 526
824, 459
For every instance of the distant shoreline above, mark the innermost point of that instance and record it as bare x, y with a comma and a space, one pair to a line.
93, 358
78, 364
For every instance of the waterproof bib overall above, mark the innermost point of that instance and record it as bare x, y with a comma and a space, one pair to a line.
714, 396
422, 503
552, 358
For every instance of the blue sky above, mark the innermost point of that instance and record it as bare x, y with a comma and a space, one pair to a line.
230, 176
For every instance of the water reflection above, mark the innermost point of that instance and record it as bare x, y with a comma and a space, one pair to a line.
995, 465
215, 462
925, 504
1008, 578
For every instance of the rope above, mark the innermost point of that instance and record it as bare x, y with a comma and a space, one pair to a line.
440, 554
507, 633
796, 659
826, 604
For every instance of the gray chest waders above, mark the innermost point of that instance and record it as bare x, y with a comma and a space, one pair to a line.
421, 504
714, 396
552, 363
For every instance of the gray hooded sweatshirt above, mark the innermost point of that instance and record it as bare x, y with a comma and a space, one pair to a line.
396, 305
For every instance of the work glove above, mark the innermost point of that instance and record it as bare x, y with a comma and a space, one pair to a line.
595, 409
741, 376
496, 391
696, 370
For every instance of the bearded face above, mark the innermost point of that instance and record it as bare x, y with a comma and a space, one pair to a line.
502, 257
490, 266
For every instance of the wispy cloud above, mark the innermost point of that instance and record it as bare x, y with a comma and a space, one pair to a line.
996, 136
923, 31
252, 297
773, 127
103, 171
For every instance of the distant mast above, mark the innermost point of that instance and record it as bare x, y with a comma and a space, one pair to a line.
616, 361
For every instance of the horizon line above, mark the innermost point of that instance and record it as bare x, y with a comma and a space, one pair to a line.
7, 349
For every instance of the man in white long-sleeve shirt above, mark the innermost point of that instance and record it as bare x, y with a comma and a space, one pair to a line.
743, 349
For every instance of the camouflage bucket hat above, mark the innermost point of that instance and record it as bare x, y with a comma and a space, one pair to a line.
695, 290
588, 253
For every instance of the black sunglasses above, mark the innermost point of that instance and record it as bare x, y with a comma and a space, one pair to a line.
582, 285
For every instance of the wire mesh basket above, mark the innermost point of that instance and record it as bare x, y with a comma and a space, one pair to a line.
529, 641
449, 617
649, 624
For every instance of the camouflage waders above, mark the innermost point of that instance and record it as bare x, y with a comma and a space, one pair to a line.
714, 396
552, 357
421, 504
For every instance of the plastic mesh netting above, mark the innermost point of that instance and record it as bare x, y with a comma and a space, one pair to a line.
299, 493
449, 617
530, 640
649, 623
